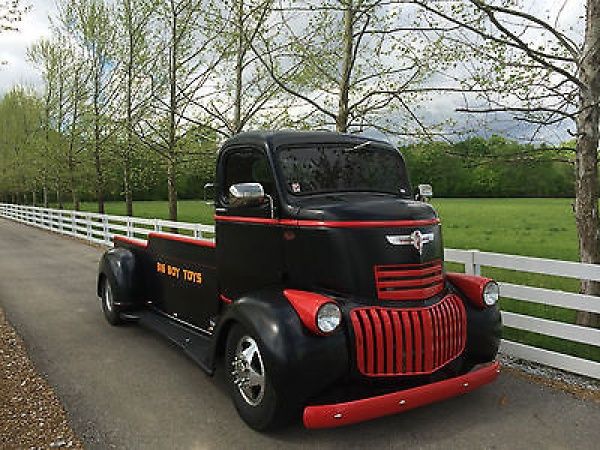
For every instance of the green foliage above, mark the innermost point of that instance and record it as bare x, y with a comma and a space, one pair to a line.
495, 167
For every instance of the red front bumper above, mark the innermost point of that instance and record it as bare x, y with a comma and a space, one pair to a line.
328, 416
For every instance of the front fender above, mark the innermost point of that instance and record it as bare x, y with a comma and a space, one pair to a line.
301, 363
119, 265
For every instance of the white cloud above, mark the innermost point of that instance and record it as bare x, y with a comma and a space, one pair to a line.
13, 46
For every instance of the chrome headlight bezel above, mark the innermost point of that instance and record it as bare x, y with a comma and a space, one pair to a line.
328, 318
491, 293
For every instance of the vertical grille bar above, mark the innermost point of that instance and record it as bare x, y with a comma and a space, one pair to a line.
418, 346
370, 366
360, 350
389, 341
379, 350
399, 341
408, 341
428, 341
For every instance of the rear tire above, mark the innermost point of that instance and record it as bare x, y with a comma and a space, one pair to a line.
250, 384
110, 309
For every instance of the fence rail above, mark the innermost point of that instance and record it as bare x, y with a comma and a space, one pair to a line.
100, 228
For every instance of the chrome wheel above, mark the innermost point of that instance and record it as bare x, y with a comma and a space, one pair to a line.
248, 371
108, 297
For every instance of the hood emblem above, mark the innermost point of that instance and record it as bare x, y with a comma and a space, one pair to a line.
416, 239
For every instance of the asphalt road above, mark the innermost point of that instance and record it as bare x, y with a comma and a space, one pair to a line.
128, 388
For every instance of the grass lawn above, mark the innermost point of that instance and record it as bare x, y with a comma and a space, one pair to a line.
530, 227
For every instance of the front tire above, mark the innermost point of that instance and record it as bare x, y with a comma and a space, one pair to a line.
110, 309
250, 383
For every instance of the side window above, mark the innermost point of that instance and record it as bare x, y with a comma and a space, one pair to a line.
248, 166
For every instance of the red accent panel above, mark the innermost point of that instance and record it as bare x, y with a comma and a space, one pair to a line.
367, 224
336, 415
225, 299
409, 341
471, 286
127, 240
329, 223
177, 238
307, 305
257, 220
409, 281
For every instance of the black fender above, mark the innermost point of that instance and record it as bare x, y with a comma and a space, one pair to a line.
302, 364
484, 331
119, 266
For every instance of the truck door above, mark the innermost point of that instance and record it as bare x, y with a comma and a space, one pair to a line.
249, 242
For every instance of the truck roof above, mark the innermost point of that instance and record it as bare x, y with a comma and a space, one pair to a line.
276, 138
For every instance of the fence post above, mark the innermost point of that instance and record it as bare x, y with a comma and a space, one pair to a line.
88, 226
197, 231
129, 230
472, 267
157, 226
73, 225
105, 228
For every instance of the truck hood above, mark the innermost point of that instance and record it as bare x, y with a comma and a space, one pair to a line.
362, 207
366, 262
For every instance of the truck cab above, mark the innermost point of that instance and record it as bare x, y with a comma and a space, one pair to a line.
324, 289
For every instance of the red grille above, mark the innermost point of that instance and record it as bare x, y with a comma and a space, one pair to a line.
411, 341
409, 281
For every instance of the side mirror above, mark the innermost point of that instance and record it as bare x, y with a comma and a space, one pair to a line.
208, 186
425, 192
246, 194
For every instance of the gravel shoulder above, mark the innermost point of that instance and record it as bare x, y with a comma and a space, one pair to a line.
31, 415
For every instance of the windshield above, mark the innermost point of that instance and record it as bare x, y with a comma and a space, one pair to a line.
343, 168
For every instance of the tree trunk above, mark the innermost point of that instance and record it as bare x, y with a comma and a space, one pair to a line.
171, 177
341, 123
45, 196
99, 181
172, 139
586, 163
127, 188
239, 69
33, 198
59, 198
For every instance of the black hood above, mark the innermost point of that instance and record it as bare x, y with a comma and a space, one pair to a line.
361, 207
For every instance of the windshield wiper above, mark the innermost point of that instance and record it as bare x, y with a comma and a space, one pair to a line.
361, 145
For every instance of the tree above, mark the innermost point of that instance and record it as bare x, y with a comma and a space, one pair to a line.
241, 92
11, 12
355, 63
20, 149
545, 73
184, 62
95, 33
134, 56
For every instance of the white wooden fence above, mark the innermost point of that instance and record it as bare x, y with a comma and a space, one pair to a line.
100, 228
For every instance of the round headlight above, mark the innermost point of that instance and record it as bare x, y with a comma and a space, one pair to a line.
329, 317
491, 293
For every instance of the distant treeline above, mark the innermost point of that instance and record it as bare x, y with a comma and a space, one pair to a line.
494, 167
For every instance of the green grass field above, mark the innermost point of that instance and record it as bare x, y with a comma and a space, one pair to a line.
529, 227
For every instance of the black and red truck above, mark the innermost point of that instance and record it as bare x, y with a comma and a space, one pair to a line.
324, 292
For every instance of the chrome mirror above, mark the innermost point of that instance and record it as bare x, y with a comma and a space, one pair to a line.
425, 192
246, 194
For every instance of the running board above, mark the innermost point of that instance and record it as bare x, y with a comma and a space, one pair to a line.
196, 345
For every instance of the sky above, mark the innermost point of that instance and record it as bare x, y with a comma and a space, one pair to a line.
13, 46
36, 24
